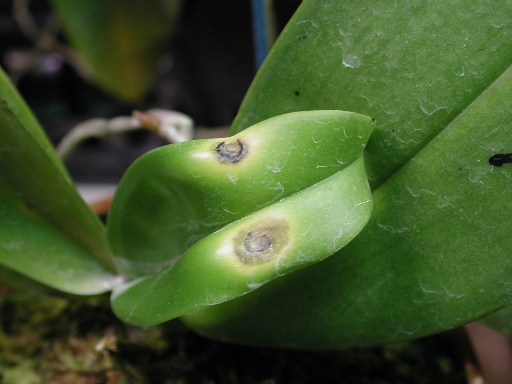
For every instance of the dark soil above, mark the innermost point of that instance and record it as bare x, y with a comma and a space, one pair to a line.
61, 340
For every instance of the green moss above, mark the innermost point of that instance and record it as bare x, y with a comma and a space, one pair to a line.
58, 340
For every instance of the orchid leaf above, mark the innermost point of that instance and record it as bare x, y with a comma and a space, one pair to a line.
206, 221
47, 232
436, 251
120, 41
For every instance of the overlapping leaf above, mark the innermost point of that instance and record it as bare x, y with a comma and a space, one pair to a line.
436, 252
47, 232
206, 221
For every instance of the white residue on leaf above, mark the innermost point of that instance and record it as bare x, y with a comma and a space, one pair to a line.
429, 108
325, 123
403, 331
496, 25
335, 243
351, 61
348, 135
253, 286
214, 296
278, 187
418, 193
445, 202
233, 178
279, 190
308, 21
375, 103
369, 201
275, 167
230, 212
443, 291
392, 229
316, 140
478, 172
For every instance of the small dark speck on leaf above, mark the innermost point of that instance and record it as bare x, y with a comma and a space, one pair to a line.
297, 93
500, 158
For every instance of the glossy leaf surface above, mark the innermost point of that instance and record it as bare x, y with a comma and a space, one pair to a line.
175, 195
47, 231
297, 194
436, 252
121, 41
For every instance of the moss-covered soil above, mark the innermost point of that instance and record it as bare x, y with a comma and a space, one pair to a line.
55, 340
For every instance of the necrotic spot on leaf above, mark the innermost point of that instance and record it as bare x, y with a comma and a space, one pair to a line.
257, 243
231, 151
261, 242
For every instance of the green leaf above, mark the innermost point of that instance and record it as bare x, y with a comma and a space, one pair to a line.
15, 103
121, 41
435, 254
47, 232
215, 219
412, 67
15, 279
175, 195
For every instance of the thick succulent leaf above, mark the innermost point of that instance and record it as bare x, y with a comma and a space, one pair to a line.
175, 195
293, 233
44, 220
121, 41
284, 194
436, 252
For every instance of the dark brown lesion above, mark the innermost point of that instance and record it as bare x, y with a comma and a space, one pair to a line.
231, 151
500, 158
261, 242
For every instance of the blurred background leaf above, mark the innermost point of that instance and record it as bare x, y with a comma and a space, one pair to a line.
120, 42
